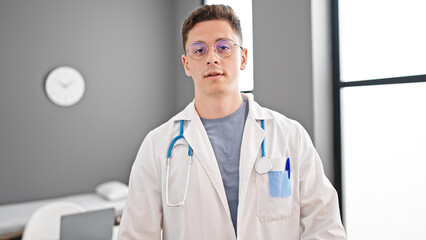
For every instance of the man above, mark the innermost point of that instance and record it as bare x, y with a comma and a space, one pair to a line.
226, 168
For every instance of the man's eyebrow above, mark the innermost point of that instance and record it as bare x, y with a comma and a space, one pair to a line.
223, 38
198, 42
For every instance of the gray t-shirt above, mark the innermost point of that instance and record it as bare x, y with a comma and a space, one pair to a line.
225, 136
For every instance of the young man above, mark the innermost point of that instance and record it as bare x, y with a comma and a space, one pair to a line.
226, 168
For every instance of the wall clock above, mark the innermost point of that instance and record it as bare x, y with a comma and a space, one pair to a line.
65, 86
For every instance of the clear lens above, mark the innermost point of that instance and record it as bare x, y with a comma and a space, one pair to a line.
197, 50
224, 48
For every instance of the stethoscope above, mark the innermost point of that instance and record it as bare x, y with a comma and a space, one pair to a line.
169, 155
263, 165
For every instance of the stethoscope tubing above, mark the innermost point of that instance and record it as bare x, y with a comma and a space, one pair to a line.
190, 153
169, 155
262, 124
169, 151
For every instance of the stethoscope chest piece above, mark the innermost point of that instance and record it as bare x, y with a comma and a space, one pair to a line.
263, 165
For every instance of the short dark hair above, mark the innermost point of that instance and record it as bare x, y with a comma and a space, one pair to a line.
211, 12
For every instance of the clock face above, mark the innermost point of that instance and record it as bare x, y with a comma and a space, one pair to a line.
65, 86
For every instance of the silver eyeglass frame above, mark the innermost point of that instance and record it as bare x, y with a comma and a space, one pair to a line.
214, 48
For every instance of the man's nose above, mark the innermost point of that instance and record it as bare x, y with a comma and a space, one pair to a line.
212, 56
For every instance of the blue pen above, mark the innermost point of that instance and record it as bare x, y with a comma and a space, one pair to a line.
287, 167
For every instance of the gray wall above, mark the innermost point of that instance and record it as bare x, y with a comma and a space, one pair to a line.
129, 53
292, 66
184, 85
122, 49
283, 58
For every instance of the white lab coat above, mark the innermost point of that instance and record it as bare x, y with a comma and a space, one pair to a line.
310, 212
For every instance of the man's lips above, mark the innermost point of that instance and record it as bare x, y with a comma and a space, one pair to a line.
213, 75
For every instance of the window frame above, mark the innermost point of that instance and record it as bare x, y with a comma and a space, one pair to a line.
337, 86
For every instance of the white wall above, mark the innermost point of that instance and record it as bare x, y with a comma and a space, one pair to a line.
323, 82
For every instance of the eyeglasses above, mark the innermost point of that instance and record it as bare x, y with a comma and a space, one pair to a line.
223, 47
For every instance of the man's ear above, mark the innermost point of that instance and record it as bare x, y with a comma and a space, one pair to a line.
243, 59
186, 66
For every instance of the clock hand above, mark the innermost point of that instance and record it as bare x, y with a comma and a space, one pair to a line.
70, 83
66, 85
63, 85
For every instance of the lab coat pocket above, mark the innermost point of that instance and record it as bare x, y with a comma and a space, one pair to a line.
279, 184
274, 198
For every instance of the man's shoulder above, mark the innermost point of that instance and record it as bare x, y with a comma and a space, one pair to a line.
281, 121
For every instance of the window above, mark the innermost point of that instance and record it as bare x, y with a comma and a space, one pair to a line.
381, 39
243, 9
380, 116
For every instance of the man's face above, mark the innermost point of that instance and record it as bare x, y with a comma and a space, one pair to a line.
214, 75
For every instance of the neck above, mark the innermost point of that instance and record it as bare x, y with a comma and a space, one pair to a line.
213, 107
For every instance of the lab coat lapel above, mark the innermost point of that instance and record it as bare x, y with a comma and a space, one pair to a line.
197, 137
250, 147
